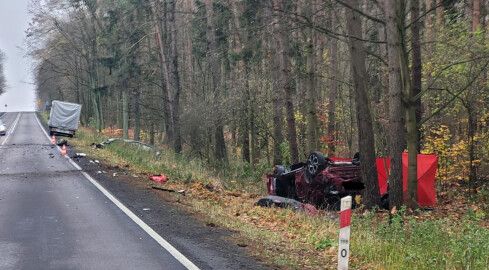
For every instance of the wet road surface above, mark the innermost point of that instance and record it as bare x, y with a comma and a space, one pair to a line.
53, 217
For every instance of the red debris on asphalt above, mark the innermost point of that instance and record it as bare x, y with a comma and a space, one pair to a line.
159, 178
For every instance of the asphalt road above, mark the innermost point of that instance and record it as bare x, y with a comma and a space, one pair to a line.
53, 217
62, 213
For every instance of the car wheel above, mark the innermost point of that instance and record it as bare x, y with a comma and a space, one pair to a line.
316, 162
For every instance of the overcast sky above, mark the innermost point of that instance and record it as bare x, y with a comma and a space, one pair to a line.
14, 20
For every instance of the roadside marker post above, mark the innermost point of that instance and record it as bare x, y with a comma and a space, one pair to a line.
344, 242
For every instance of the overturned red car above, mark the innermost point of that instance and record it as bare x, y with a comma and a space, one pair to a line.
320, 180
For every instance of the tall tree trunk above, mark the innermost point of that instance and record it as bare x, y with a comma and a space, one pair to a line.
333, 86
95, 90
255, 152
286, 81
220, 148
97, 107
396, 138
188, 45
277, 92
311, 93
428, 20
472, 129
165, 86
439, 13
483, 14
125, 113
476, 15
364, 118
245, 131
416, 63
238, 36
152, 133
118, 106
137, 115
247, 123
413, 110
428, 33
177, 146
94, 72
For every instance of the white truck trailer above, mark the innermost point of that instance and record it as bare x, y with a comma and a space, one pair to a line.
64, 117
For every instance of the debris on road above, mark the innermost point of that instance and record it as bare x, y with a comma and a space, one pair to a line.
282, 202
181, 192
95, 162
159, 178
97, 145
143, 145
60, 142
164, 189
79, 155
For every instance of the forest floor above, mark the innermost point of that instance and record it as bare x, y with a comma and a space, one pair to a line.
283, 239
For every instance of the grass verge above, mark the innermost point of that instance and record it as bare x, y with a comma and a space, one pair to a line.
288, 240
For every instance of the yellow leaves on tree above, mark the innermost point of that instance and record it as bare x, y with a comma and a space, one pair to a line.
453, 161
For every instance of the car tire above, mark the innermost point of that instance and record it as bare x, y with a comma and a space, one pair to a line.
316, 162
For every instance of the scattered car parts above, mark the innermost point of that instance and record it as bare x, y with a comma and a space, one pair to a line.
282, 202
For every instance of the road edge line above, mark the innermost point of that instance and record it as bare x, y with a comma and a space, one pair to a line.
158, 238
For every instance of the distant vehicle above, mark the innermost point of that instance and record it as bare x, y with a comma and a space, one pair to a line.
64, 117
321, 181
3, 128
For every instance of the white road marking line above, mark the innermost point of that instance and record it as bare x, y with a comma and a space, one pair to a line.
173, 251
11, 129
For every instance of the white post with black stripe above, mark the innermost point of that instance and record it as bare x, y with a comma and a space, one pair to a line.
344, 243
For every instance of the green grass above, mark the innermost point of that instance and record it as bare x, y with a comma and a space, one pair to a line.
182, 168
407, 243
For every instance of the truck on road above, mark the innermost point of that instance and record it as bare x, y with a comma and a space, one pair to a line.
64, 117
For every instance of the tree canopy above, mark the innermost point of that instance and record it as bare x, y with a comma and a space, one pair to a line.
266, 82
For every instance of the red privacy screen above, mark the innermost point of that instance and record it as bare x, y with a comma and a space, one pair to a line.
426, 177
